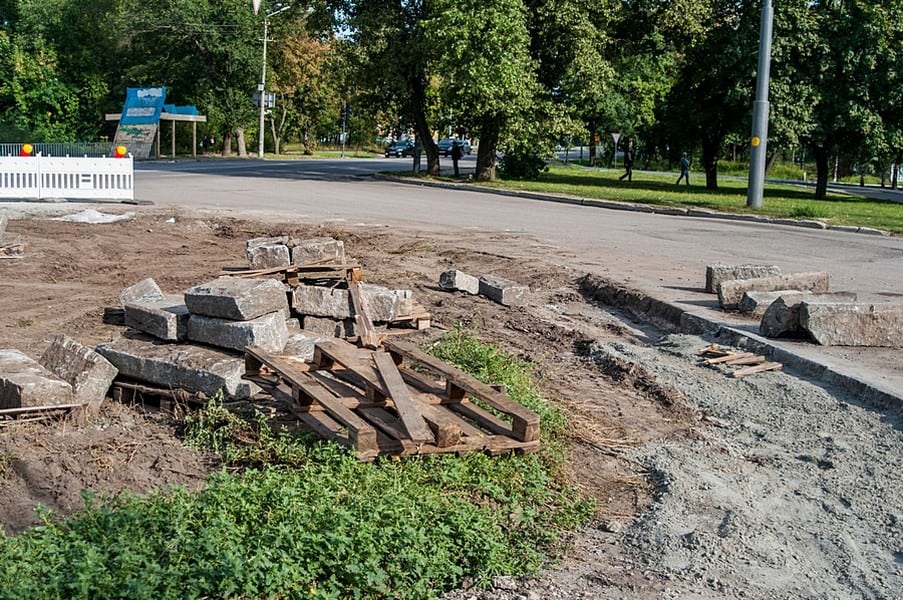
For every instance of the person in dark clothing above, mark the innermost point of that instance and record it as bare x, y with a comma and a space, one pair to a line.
684, 169
456, 154
628, 165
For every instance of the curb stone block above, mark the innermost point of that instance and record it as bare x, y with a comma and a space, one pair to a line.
268, 256
459, 281
89, 373
25, 383
166, 318
503, 291
145, 290
853, 324
268, 332
236, 299
328, 327
731, 292
715, 274
320, 249
383, 304
301, 344
187, 366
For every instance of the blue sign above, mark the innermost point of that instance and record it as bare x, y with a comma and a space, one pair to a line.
143, 106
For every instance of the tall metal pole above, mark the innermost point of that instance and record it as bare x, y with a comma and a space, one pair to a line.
261, 89
759, 139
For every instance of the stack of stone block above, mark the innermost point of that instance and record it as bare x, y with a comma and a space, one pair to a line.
503, 291
329, 311
283, 251
800, 305
68, 373
11, 244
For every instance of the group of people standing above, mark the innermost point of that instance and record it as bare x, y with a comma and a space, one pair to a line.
630, 155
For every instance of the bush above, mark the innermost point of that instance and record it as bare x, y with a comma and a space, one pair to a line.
523, 165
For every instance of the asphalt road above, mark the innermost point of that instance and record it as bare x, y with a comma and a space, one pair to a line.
650, 250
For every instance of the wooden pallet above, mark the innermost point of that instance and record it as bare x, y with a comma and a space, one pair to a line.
752, 363
374, 402
146, 396
26, 414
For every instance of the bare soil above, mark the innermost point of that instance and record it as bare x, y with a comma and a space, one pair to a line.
766, 487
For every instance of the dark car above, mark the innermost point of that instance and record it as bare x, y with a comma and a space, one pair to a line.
445, 146
399, 149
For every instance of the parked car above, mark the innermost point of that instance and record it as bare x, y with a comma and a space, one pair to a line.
400, 148
445, 146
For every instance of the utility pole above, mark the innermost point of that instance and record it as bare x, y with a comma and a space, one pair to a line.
759, 140
261, 89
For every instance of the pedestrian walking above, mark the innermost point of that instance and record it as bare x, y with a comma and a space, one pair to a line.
628, 165
684, 169
456, 153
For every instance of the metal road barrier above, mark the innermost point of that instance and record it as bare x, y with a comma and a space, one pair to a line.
56, 177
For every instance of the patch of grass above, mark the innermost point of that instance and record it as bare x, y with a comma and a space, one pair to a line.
781, 201
304, 518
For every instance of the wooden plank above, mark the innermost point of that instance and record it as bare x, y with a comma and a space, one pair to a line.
448, 427
386, 421
727, 357
361, 433
366, 330
330, 352
316, 266
24, 410
525, 421
482, 417
769, 366
747, 360
408, 410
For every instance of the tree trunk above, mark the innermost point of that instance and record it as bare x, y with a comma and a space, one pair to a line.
772, 158
489, 141
821, 172
710, 146
242, 147
424, 133
277, 131
591, 127
227, 143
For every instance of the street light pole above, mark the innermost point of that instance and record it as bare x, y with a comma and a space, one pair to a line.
759, 139
261, 89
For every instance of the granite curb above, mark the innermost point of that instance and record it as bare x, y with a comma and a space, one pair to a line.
633, 207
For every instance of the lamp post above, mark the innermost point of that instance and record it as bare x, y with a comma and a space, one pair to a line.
261, 89
759, 139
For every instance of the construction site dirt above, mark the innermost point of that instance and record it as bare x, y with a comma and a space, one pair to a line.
773, 485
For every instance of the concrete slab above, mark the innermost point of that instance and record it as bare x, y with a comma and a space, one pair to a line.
319, 249
25, 383
187, 366
268, 332
236, 298
853, 324
456, 280
715, 274
145, 290
89, 373
731, 292
166, 318
782, 316
503, 291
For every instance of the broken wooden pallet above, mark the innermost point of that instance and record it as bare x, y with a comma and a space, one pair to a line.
371, 401
754, 363
24, 414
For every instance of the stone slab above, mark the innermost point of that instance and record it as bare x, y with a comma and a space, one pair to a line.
731, 292
236, 298
166, 319
383, 304
89, 373
186, 366
781, 317
300, 344
265, 241
756, 303
319, 249
268, 256
853, 324
503, 291
25, 383
456, 280
715, 274
145, 290
3, 221
268, 332
328, 327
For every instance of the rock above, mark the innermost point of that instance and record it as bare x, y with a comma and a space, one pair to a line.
503, 291
268, 256
144, 291
11, 244
300, 344
3, 221
383, 304
89, 373
459, 281
731, 292
237, 299
268, 332
315, 250
166, 318
329, 327
781, 317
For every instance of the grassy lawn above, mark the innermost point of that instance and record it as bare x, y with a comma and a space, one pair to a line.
783, 201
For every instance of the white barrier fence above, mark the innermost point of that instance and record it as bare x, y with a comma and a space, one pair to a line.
52, 177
